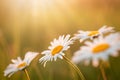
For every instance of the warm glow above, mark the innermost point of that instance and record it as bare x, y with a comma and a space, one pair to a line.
29, 25
43, 12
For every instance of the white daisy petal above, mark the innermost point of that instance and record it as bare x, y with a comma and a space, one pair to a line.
88, 43
55, 58
29, 57
19, 59
60, 56
44, 63
45, 52
14, 61
115, 54
106, 29
11, 74
87, 62
95, 62
66, 38
10, 69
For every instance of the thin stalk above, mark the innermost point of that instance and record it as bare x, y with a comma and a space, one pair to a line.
26, 72
75, 68
103, 72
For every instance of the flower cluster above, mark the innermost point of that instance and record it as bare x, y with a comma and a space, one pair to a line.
99, 45
99, 48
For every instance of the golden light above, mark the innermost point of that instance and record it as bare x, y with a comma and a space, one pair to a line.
36, 15
32, 24
48, 12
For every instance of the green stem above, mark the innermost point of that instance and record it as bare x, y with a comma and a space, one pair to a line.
103, 72
75, 67
26, 72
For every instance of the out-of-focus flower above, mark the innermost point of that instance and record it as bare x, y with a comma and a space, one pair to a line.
83, 35
19, 64
99, 49
56, 49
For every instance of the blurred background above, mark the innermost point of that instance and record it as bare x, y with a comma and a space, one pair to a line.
30, 25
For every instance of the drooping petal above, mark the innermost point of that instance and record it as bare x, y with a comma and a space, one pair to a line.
106, 29
10, 70
30, 56
95, 62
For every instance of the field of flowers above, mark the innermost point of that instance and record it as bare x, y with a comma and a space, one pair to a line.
59, 40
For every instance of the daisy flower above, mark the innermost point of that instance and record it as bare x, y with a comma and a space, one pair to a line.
83, 35
99, 49
19, 64
56, 49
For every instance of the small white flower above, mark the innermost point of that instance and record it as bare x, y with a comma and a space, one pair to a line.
83, 35
99, 49
19, 64
56, 49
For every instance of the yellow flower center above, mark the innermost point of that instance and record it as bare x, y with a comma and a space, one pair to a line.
57, 49
21, 65
100, 47
91, 33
